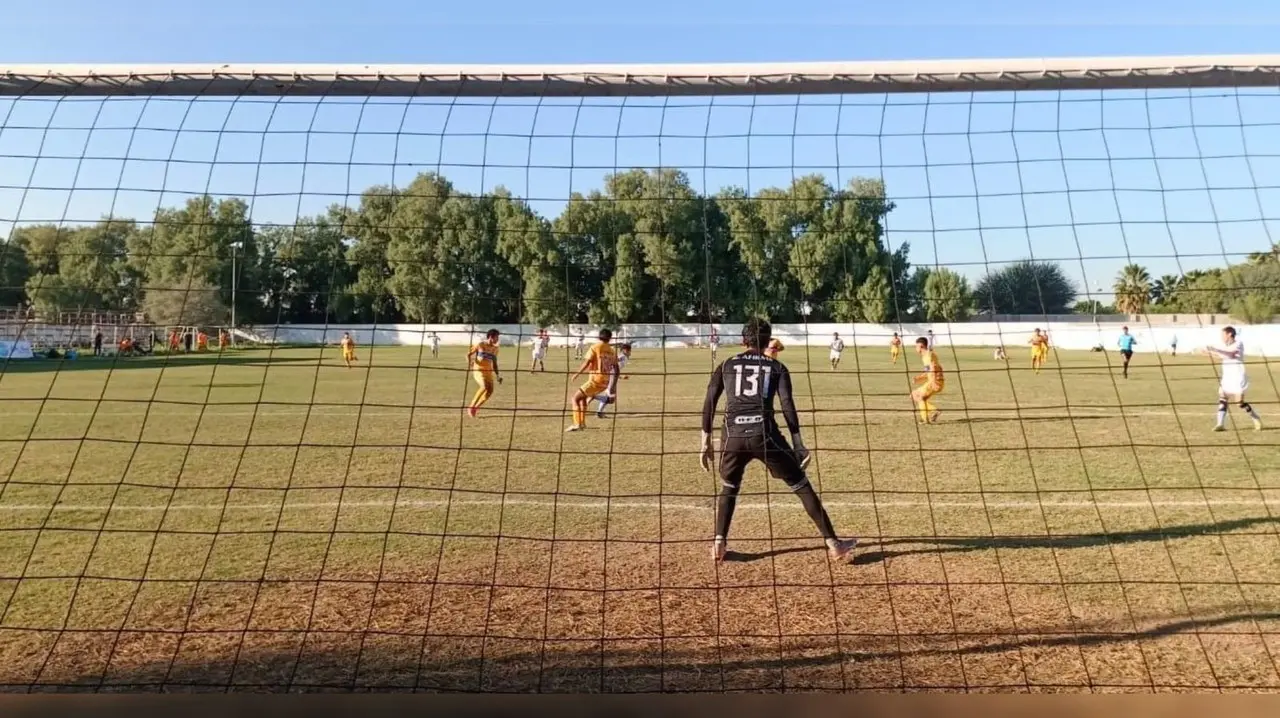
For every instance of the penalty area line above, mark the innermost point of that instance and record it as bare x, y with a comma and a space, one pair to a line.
783, 502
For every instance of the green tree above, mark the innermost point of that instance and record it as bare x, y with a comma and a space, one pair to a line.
1164, 292
1093, 307
39, 242
1254, 308
831, 242
84, 272
947, 297
1203, 292
193, 246
14, 272
305, 269
587, 233
526, 242
196, 304
1132, 289
1026, 287
368, 298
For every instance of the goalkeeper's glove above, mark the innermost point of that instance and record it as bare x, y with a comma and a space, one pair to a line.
706, 452
801, 452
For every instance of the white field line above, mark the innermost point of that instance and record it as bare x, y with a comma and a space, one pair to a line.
782, 502
212, 410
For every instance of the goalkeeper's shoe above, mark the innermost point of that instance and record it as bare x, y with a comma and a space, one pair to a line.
719, 549
841, 549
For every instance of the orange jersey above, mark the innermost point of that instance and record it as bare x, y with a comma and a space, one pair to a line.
484, 356
602, 360
1039, 341
348, 344
774, 347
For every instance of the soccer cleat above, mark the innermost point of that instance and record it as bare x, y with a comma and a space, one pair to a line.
572, 428
719, 550
933, 418
472, 411
1219, 427
600, 414
1257, 424
842, 549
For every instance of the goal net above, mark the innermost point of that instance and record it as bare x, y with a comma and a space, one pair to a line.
1001, 290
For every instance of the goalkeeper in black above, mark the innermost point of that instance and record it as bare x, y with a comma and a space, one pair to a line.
752, 380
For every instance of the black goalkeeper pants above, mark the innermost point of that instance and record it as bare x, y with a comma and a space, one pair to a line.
770, 449
781, 462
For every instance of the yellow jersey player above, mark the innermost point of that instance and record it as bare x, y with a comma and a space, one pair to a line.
602, 363
775, 347
1039, 349
895, 347
348, 349
604, 398
933, 382
482, 360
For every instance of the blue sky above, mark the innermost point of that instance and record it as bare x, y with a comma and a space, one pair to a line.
1175, 180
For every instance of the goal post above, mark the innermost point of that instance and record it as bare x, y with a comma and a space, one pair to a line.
992, 282
643, 80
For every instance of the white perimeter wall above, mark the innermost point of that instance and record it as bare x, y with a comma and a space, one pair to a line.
1260, 339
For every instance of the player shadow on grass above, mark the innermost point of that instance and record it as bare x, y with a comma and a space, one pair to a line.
390, 661
941, 545
944, 545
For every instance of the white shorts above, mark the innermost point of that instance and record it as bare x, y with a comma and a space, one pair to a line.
538, 354
714, 347
1233, 385
835, 355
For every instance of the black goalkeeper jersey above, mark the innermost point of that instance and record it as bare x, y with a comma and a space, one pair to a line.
751, 382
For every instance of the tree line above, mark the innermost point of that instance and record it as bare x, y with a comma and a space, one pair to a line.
646, 247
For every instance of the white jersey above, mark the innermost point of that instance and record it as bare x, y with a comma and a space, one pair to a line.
435, 344
1234, 382
837, 346
539, 347
622, 361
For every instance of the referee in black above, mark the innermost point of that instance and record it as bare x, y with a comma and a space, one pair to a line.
751, 380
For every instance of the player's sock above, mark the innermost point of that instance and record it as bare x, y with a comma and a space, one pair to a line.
1248, 409
818, 514
725, 504
579, 415
1222, 413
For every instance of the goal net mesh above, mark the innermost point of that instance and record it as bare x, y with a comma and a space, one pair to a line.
234, 501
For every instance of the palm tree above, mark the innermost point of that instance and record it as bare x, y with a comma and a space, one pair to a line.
1164, 291
1133, 289
1257, 258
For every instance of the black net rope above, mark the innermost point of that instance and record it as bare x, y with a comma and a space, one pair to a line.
201, 488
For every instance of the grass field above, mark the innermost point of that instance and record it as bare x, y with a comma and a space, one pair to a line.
270, 520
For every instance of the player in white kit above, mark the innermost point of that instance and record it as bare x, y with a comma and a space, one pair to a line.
1234, 382
541, 341
435, 345
837, 348
714, 343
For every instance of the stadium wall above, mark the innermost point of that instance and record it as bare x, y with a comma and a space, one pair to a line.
1261, 339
